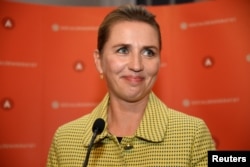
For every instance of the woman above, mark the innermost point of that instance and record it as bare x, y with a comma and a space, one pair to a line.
140, 130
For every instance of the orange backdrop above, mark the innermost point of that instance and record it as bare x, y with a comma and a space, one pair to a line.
48, 77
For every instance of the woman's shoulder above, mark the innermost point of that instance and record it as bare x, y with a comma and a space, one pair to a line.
74, 126
171, 114
185, 122
182, 116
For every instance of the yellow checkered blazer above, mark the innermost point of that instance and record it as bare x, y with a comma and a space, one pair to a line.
165, 138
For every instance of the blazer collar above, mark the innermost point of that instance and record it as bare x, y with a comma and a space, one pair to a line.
99, 112
153, 126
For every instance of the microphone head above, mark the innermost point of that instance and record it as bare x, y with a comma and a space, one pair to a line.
98, 126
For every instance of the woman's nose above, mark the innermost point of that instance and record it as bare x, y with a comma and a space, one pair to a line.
135, 63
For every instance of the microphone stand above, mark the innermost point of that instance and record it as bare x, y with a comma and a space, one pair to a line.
85, 164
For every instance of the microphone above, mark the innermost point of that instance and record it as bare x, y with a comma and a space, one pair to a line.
97, 129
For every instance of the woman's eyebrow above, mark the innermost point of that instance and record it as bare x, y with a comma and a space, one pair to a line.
121, 44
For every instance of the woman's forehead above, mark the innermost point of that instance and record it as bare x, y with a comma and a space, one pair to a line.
129, 31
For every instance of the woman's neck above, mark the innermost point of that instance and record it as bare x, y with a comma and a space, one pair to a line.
124, 117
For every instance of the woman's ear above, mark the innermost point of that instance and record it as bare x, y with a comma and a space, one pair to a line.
97, 59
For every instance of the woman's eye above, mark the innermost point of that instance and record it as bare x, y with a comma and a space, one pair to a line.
148, 52
122, 50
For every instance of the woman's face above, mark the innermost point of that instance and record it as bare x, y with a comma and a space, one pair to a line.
130, 60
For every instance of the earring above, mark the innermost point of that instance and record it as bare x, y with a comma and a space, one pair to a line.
101, 75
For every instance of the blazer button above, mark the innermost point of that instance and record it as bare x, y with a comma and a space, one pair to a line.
128, 146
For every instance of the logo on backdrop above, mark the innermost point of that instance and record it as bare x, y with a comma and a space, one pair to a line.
208, 62
78, 66
200, 102
8, 23
7, 104
57, 27
55, 104
60, 104
185, 25
248, 58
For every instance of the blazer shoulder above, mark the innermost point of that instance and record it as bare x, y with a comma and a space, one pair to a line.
74, 126
183, 119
